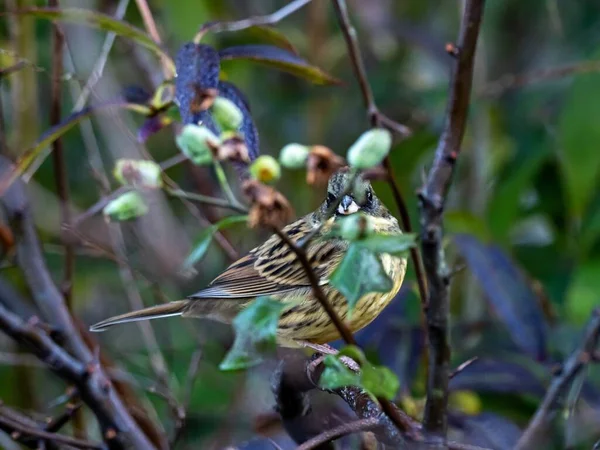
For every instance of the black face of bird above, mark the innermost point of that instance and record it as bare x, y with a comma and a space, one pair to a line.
360, 198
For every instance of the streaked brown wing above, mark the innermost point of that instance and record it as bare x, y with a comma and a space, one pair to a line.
273, 268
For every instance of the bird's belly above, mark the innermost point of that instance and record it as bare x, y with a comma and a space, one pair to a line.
308, 321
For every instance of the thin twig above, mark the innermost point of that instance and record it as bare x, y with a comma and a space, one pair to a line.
377, 119
508, 82
343, 330
213, 201
101, 60
58, 158
152, 29
340, 431
25, 432
573, 365
269, 19
432, 199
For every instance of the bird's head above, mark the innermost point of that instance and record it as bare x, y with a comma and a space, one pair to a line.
361, 198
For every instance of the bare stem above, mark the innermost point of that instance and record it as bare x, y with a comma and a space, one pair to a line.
432, 200
340, 431
573, 365
269, 19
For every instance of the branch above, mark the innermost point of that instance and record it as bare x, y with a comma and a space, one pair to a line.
95, 388
432, 199
377, 119
508, 82
573, 365
58, 157
22, 431
340, 431
269, 19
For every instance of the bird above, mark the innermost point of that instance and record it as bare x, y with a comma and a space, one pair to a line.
273, 269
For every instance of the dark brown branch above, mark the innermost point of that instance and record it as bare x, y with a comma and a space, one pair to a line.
30, 435
95, 388
432, 199
573, 365
377, 119
58, 157
345, 333
344, 429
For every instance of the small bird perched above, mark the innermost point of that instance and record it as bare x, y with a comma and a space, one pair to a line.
272, 269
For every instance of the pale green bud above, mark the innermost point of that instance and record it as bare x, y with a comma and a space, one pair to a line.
265, 169
294, 156
370, 149
226, 114
126, 207
138, 173
197, 143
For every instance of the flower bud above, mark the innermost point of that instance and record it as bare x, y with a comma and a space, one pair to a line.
138, 173
197, 143
126, 207
265, 169
294, 156
370, 148
355, 227
226, 114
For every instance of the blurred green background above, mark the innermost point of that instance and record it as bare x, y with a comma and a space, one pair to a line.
522, 222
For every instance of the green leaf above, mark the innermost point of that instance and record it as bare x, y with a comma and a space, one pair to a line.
255, 334
359, 273
102, 22
35, 155
205, 238
279, 58
393, 244
579, 137
582, 293
378, 381
337, 375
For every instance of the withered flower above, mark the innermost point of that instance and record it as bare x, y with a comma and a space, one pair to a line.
321, 164
232, 148
269, 207
203, 99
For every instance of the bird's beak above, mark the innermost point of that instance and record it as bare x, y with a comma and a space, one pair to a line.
347, 206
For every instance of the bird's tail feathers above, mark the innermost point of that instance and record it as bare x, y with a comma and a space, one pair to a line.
153, 312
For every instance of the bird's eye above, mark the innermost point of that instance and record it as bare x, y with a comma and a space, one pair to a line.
369, 197
330, 198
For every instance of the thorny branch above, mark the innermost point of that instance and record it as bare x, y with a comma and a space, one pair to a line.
432, 199
574, 364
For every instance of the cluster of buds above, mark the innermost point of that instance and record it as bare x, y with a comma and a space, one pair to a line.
138, 173
369, 150
202, 146
269, 207
320, 161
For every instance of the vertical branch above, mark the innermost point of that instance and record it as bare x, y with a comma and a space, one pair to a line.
58, 159
432, 199
377, 119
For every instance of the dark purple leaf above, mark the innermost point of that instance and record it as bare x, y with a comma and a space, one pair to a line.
281, 59
248, 129
486, 430
508, 292
197, 70
492, 375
